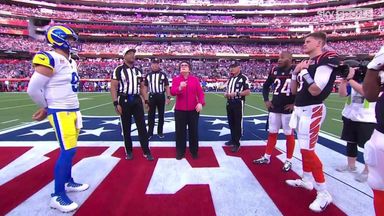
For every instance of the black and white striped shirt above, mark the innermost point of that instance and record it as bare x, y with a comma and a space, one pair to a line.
129, 79
238, 83
156, 82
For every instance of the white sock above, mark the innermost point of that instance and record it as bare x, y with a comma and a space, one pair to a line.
307, 176
320, 187
267, 156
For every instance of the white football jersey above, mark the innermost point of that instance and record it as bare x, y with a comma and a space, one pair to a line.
61, 90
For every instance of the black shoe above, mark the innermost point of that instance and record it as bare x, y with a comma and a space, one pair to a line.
149, 156
129, 156
161, 136
229, 143
194, 156
179, 157
149, 137
235, 148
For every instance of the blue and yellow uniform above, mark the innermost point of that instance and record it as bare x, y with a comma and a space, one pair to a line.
61, 95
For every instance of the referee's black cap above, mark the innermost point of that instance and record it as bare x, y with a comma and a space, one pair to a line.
156, 60
234, 64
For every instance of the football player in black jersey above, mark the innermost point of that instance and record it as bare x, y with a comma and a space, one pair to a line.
374, 148
280, 108
312, 82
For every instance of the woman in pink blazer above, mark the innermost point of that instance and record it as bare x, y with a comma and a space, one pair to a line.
189, 102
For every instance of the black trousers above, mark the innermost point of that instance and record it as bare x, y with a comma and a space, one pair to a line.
235, 120
133, 106
156, 101
182, 120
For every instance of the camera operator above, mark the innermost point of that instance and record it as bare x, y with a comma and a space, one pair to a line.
358, 115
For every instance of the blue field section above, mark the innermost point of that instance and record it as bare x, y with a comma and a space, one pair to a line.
211, 128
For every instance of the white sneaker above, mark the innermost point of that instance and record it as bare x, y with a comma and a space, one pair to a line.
346, 168
63, 204
287, 166
323, 199
300, 183
361, 177
262, 160
75, 187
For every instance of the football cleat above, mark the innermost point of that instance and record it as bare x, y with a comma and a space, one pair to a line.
262, 160
323, 199
62, 203
300, 183
75, 187
287, 166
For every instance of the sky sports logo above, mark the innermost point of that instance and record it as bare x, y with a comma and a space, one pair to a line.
347, 14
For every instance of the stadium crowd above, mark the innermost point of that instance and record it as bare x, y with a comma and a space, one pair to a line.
103, 68
109, 17
350, 47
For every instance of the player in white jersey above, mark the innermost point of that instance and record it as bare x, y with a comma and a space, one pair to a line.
53, 86
374, 148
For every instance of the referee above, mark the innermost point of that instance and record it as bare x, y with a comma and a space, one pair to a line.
237, 89
126, 86
157, 83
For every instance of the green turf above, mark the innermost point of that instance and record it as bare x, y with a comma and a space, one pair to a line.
18, 106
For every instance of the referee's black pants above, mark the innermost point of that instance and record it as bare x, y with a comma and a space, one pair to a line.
156, 101
132, 105
182, 119
235, 120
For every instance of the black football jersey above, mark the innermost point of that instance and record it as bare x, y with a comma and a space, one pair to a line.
379, 110
303, 97
280, 80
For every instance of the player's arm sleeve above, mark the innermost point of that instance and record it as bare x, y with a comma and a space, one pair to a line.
266, 87
322, 76
44, 59
36, 89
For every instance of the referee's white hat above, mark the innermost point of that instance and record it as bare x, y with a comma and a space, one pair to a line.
127, 50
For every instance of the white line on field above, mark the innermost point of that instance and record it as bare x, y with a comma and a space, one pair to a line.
334, 108
100, 105
338, 120
13, 120
246, 105
256, 108
20, 99
5, 108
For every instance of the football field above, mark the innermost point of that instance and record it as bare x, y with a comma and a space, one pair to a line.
17, 108
218, 183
